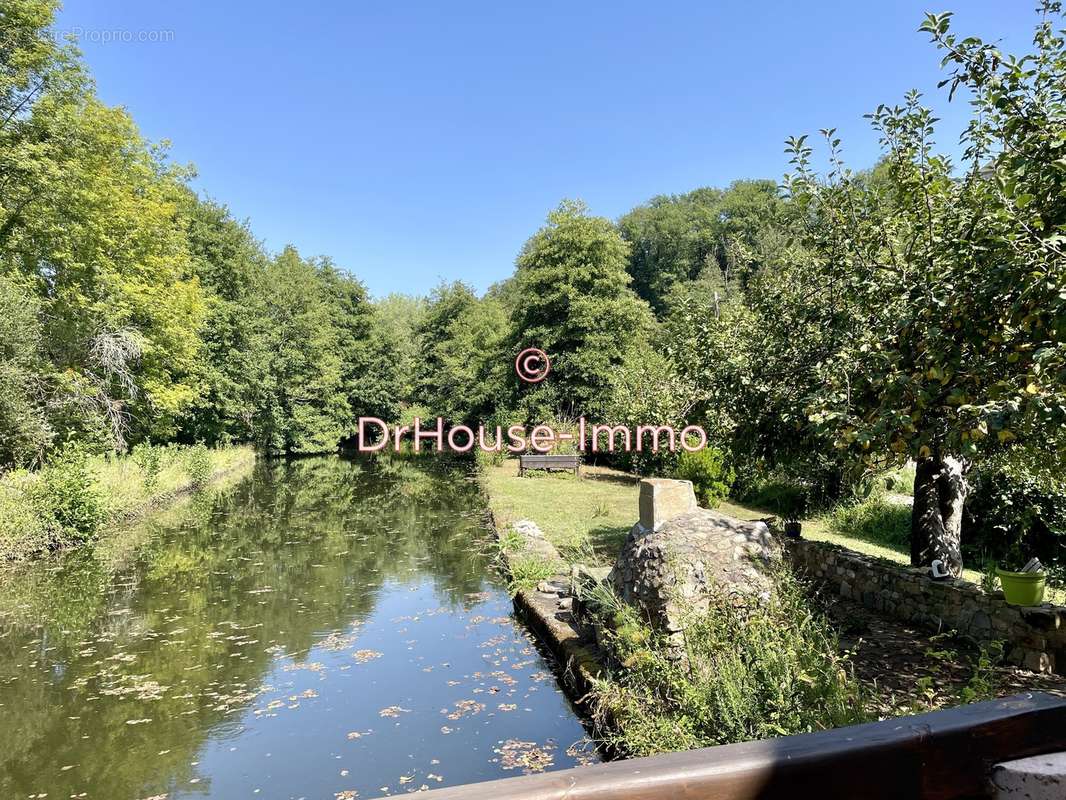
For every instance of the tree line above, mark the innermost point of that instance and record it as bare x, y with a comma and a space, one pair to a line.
822, 327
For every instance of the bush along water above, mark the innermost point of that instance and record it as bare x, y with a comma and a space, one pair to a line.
741, 672
198, 464
66, 500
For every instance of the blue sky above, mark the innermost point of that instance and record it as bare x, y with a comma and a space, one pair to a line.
415, 141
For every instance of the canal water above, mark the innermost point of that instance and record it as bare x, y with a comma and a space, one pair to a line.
326, 628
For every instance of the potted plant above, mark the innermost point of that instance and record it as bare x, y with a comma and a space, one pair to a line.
1025, 587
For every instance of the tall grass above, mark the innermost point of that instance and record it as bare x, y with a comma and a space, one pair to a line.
69, 500
875, 519
738, 673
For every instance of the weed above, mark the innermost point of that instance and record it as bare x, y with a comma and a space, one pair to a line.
529, 570
741, 672
198, 465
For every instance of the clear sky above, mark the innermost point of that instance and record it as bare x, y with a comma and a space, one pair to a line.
415, 141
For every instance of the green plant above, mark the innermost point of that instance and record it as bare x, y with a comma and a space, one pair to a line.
875, 519
150, 460
1016, 511
739, 672
198, 465
989, 575
66, 498
529, 570
710, 475
984, 683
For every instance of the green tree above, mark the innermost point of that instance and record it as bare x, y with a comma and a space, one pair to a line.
400, 316
370, 376
463, 354
950, 280
713, 237
301, 406
88, 221
574, 302
24, 429
230, 265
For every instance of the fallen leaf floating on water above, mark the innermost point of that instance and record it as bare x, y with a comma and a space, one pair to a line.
393, 711
515, 753
464, 708
362, 656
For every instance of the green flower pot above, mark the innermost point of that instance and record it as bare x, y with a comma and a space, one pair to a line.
1023, 588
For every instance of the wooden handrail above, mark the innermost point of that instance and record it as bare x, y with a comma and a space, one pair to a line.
943, 755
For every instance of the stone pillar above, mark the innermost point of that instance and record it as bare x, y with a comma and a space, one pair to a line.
662, 499
1034, 778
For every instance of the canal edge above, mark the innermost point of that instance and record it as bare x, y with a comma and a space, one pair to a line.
547, 610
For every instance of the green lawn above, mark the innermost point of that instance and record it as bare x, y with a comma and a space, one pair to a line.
587, 518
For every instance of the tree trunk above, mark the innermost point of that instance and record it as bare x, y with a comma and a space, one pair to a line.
936, 516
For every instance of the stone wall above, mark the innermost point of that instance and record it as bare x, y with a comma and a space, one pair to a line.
1034, 638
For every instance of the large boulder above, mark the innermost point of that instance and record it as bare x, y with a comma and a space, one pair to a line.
675, 563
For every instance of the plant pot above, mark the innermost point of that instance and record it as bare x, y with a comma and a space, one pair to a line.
1023, 588
793, 529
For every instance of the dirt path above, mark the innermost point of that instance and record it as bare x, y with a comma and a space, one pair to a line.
902, 664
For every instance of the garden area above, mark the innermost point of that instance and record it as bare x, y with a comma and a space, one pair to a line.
855, 664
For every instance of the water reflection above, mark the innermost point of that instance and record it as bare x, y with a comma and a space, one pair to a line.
327, 628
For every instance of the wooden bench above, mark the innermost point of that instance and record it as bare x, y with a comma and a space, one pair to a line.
546, 462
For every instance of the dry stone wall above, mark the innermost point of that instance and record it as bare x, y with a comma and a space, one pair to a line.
1035, 638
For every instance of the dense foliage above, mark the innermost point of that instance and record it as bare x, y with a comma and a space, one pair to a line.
843, 323
134, 311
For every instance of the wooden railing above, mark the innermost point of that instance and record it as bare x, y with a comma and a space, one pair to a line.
945, 755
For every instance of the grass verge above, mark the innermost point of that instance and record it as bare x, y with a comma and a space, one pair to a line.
70, 502
586, 518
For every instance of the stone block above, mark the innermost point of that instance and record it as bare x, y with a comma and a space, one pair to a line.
662, 499
1034, 778
1035, 661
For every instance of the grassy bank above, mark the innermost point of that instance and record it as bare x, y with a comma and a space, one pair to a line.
766, 670
74, 499
587, 519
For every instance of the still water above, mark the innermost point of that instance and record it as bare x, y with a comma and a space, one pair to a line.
326, 628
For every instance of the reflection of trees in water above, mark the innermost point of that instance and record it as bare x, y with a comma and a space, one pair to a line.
180, 635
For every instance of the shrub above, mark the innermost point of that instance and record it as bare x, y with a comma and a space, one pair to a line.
22, 528
750, 671
813, 482
150, 461
710, 476
198, 465
874, 519
66, 498
1015, 512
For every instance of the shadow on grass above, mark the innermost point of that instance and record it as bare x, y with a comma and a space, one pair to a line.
606, 477
606, 541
